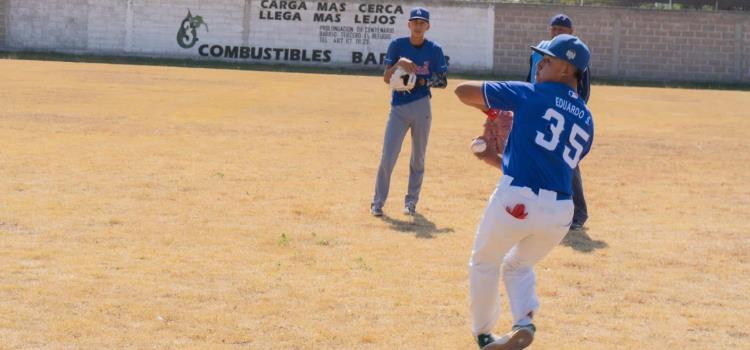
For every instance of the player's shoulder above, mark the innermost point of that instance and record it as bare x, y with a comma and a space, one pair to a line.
432, 44
520, 89
564, 97
511, 84
554, 88
400, 41
575, 97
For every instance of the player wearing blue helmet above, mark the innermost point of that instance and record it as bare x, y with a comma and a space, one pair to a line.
531, 209
562, 24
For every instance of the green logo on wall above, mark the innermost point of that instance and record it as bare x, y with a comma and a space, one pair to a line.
187, 36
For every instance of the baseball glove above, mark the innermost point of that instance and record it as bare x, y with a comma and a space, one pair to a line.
496, 130
401, 80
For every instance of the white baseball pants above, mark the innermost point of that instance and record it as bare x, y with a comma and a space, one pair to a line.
517, 244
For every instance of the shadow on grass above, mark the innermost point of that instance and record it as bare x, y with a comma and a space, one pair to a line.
417, 224
580, 241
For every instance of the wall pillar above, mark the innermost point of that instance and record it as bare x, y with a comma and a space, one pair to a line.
246, 22
616, 47
4, 10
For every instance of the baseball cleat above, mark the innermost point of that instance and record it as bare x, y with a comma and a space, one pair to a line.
376, 211
485, 339
519, 338
410, 208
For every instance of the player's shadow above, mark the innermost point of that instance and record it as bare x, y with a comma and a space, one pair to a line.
580, 241
417, 224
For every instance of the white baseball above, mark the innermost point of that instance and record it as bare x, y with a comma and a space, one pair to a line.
478, 145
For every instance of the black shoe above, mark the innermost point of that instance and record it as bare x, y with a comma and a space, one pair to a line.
529, 327
410, 208
376, 211
485, 339
519, 338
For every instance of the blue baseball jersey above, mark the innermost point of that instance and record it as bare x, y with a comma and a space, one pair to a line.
584, 85
429, 59
552, 131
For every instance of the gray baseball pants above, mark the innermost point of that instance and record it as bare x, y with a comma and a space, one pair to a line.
581, 214
417, 117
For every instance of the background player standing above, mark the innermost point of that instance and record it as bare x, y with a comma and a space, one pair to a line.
562, 24
410, 110
530, 211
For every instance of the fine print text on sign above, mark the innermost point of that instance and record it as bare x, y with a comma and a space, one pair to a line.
332, 33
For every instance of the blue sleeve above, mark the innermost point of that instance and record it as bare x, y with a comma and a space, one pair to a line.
441, 65
584, 86
505, 95
590, 141
391, 57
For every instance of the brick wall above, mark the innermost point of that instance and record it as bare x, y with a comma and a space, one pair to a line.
745, 66
680, 46
517, 27
3, 14
632, 43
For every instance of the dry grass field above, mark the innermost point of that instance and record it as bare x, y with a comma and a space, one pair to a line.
176, 208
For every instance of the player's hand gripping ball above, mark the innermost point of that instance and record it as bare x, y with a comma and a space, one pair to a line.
401, 80
496, 130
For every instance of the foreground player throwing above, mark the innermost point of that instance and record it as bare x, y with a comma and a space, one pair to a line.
562, 24
530, 211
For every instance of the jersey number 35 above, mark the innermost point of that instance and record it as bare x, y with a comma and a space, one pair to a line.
571, 155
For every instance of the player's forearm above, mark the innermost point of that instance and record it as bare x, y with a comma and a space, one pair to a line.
480, 106
388, 73
438, 81
470, 93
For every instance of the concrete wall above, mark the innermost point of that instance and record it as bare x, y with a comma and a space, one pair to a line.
340, 34
51, 25
3, 14
633, 43
481, 37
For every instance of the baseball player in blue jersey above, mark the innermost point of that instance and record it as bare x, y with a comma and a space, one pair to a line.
531, 209
410, 109
562, 24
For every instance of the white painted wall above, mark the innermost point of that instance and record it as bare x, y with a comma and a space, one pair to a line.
281, 31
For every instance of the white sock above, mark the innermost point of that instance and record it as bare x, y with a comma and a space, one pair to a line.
526, 320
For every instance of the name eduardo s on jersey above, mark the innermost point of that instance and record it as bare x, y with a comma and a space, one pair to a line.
570, 108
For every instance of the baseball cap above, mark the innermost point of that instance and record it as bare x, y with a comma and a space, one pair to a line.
419, 13
561, 20
569, 48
